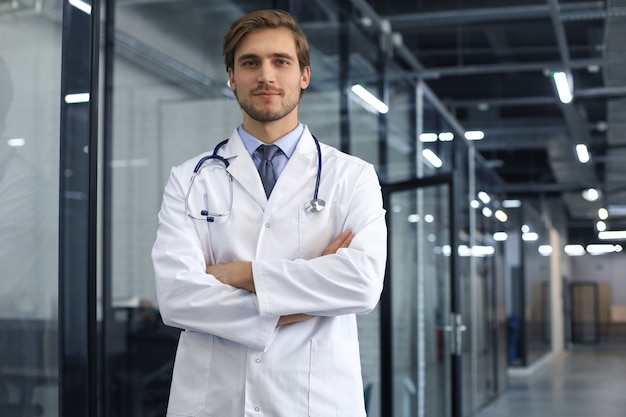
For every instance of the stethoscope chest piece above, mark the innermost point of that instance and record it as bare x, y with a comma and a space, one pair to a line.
315, 206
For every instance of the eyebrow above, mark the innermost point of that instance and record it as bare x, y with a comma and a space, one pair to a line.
245, 57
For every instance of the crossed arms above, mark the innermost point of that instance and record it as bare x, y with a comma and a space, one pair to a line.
239, 274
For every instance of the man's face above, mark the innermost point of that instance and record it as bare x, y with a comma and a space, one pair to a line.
266, 77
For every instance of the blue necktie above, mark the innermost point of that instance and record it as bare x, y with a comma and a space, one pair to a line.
266, 168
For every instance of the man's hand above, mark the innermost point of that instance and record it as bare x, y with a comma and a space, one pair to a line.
342, 240
236, 274
293, 318
239, 274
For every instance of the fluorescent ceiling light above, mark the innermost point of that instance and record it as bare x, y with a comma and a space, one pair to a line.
600, 249
446, 136
474, 204
563, 87
603, 213
477, 250
81, 5
545, 250
484, 197
432, 158
474, 135
500, 236
600, 226
574, 250
16, 142
511, 204
530, 236
77, 98
612, 235
370, 98
525, 228
429, 218
582, 152
428, 137
501, 215
487, 212
413, 218
591, 194
128, 163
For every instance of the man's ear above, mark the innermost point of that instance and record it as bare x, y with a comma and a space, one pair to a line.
305, 78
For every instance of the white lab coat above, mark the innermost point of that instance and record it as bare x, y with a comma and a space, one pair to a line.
232, 360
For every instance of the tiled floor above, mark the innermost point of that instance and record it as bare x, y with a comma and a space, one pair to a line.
582, 382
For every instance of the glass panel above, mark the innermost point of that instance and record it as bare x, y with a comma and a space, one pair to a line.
401, 133
584, 312
488, 313
438, 141
30, 65
364, 127
171, 102
420, 266
537, 323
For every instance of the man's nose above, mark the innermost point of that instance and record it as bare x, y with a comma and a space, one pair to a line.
266, 73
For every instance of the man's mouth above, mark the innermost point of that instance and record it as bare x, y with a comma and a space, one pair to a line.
266, 93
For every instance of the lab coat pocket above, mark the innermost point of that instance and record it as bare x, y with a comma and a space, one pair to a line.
191, 374
335, 384
317, 230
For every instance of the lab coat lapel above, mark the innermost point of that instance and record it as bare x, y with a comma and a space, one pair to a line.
296, 177
243, 170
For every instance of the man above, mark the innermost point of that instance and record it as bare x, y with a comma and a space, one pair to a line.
265, 290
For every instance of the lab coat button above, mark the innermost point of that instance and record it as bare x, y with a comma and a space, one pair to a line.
258, 360
267, 225
257, 408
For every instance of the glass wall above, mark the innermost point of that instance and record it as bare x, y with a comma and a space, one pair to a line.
483, 288
536, 252
170, 102
30, 74
420, 282
528, 271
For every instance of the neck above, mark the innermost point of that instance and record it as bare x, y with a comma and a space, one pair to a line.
269, 132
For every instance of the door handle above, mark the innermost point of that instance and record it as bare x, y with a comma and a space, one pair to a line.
456, 328
459, 328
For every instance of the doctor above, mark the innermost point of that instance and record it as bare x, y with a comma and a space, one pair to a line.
267, 293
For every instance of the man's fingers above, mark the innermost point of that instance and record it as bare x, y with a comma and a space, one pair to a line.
342, 240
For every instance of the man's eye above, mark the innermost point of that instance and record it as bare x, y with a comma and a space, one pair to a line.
248, 63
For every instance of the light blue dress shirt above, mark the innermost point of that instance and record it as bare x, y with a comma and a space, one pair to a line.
287, 145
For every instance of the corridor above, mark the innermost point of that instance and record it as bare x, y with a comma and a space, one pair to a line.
581, 382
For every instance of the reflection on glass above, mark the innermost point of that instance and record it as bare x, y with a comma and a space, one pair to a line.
420, 285
536, 317
28, 216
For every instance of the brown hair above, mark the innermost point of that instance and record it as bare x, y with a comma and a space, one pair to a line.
264, 19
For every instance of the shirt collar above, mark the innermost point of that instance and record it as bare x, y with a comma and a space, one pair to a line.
287, 143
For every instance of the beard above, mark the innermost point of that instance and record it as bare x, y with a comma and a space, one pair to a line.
266, 115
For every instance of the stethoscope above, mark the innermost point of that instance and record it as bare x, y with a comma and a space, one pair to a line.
315, 205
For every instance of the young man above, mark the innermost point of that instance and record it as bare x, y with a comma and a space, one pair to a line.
265, 287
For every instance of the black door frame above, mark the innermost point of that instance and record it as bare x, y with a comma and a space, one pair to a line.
78, 211
386, 308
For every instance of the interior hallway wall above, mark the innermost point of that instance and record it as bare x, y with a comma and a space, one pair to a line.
602, 268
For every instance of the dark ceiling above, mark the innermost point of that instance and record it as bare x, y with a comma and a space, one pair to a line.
490, 62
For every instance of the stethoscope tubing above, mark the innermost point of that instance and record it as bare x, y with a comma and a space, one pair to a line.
315, 205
